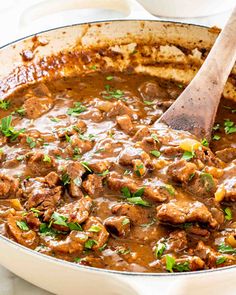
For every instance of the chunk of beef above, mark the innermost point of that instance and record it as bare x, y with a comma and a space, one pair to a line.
194, 262
206, 156
119, 108
207, 254
26, 238
80, 127
38, 166
37, 106
75, 171
93, 185
152, 90
8, 186
100, 166
136, 214
181, 171
125, 123
177, 241
227, 154
129, 154
180, 212
100, 235
52, 179
83, 145
141, 133
74, 243
116, 183
41, 197
93, 114
118, 225
32, 220
77, 211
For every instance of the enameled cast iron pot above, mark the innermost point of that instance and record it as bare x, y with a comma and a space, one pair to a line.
168, 50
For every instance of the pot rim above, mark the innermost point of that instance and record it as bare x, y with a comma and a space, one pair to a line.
89, 268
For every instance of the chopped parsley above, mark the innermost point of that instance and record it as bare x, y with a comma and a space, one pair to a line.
216, 127
22, 225
123, 251
135, 198
228, 213
171, 265
147, 102
170, 262
86, 166
205, 142
137, 170
65, 179
125, 221
31, 142
169, 188
112, 93
59, 219
46, 158
90, 243
155, 153
74, 226
220, 260
8, 130
19, 111
93, 67
54, 119
187, 155
222, 248
154, 136
77, 109
229, 127
20, 158
104, 173
109, 78
216, 137
94, 228
4, 104
159, 250
127, 172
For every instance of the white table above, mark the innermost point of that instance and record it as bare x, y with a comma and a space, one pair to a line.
10, 11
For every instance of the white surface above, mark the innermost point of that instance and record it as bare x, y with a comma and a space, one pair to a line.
10, 12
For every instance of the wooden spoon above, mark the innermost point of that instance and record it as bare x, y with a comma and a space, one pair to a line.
195, 109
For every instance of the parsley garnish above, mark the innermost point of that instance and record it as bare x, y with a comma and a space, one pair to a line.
136, 197
123, 251
169, 188
229, 126
205, 142
216, 137
90, 243
125, 221
112, 93
22, 225
8, 130
137, 170
109, 78
74, 226
154, 136
4, 104
65, 179
86, 166
20, 112
216, 127
147, 102
155, 153
170, 262
20, 158
59, 219
94, 229
104, 173
172, 265
46, 158
31, 142
159, 250
220, 260
222, 248
54, 119
188, 155
77, 109
228, 214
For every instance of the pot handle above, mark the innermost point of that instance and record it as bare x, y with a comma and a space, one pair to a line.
131, 9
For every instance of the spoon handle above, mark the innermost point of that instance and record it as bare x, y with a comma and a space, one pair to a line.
195, 109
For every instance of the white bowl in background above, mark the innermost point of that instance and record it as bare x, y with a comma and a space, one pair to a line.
186, 8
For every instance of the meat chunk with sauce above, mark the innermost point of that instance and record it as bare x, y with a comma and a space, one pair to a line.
118, 225
125, 123
74, 243
96, 232
75, 171
181, 171
38, 165
177, 241
152, 90
119, 109
41, 197
26, 237
93, 185
39, 101
8, 186
116, 183
76, 212
180, 212
227, 154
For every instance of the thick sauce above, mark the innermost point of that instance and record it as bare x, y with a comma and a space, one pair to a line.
84, 177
